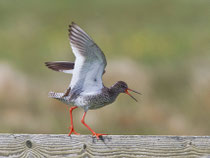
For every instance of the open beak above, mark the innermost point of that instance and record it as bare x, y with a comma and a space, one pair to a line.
126, 91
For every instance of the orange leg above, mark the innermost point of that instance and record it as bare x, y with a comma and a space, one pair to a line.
72, 126
94, 133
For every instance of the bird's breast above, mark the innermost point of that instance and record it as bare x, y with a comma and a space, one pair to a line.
93, 101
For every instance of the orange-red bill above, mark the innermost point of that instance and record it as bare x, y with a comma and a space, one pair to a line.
133, 91
130, 94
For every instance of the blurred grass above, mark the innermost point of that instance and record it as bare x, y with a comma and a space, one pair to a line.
160, 48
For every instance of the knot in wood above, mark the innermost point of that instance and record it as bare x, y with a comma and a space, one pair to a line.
29, 144
84, 146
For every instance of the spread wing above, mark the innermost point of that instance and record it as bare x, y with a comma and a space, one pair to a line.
89, 64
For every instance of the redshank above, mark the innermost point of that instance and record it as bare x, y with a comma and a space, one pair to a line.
86, 89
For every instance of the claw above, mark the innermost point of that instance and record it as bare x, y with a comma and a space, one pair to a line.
98, 135
72, 130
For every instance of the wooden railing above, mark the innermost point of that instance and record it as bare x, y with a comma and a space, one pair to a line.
61, 146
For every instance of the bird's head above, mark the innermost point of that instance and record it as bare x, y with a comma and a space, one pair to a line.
122, 87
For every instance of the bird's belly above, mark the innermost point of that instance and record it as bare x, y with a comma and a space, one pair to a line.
96, 106
91, 102
98, 102
81, 101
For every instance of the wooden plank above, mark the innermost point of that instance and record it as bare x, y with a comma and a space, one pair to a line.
58, 146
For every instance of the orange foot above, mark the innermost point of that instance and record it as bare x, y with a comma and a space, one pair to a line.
98, 135
72, 130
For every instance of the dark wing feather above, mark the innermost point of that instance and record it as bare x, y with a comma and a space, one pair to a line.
62, 66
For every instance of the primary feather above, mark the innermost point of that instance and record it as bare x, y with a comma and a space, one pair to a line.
62, 66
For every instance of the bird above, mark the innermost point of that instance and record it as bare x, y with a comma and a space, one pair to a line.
86, 89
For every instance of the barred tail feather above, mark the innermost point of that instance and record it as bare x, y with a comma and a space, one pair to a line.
58, 96
55, 95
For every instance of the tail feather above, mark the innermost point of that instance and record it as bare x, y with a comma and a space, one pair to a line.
55, 95
58, 96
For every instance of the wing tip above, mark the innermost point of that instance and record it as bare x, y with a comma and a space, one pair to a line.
51, 65
71, 26
71, 29
60, 65
75, 29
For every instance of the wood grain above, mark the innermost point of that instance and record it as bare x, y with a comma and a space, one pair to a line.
58, 146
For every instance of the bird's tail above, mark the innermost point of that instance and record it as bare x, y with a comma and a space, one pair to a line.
55, 95
59, 96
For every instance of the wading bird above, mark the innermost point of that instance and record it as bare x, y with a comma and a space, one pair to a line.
86, 89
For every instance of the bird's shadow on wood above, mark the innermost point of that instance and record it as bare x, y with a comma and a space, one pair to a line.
104, 139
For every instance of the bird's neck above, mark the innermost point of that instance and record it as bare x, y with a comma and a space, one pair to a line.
114, 90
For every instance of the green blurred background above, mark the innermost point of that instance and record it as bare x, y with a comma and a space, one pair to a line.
160, 48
